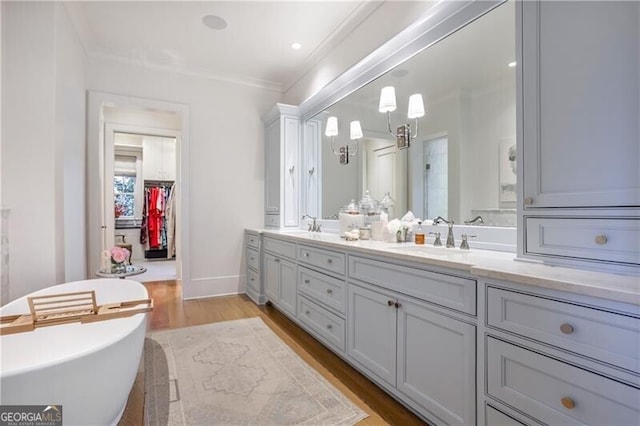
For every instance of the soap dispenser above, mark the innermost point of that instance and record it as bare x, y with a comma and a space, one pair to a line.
419, 234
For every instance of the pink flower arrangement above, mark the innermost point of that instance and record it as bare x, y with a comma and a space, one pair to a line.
119, 254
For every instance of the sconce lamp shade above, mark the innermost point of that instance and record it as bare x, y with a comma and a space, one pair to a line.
387, 99
355, 130
416, 106
332, 126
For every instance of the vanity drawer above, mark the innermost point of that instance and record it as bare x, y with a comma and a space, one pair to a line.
605, 336
324, 289
446, 290
283, 248
325, 259
608, 239
557, 393
253, 260
329, 326
253, 280
253, 240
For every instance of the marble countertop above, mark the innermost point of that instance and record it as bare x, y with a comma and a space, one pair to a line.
483, 263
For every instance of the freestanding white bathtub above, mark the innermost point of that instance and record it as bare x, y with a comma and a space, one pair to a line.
89, 369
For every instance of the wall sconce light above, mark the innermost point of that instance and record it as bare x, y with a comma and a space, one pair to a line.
355, 133
416, 110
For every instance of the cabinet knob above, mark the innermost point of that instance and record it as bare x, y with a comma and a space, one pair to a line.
292, 169
277, 260
601, 239
252, 279
397, 304
329, 291
329, 326
307, 312
306, 255
528, 201
566, 328
329, 261
568, 403
391, 302
252, 258
306, 281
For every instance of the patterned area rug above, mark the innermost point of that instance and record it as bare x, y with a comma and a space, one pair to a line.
236, 373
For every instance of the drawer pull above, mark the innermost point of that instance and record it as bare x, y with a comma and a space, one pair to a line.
528, 201
306, 255
252, 279
252, 258
329, 326
391, 302
277, 260
306, 281
601, 239
568, 403
329, 291
567, 328
329, 261
307, 312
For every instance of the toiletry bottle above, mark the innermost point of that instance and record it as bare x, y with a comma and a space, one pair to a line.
419, 234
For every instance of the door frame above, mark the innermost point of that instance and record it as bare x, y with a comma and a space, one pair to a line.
96, 214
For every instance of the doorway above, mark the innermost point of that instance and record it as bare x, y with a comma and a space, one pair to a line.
140, 179
123, 132
429, 177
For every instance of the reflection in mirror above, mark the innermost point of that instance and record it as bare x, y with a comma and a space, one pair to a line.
462, 163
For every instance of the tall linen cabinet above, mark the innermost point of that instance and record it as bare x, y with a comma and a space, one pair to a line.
282, 166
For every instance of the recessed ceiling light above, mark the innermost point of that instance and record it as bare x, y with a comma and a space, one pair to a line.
214, 22
512, 64
296, 45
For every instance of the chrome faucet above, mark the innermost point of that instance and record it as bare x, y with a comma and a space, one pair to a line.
477, 219
313, 227
450, 240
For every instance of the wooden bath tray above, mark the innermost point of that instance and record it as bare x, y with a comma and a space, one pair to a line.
64, 308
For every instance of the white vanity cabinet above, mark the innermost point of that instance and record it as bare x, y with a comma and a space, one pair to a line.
282, 166
280, 274
579, 163
562, 361
322, 294
410, 345
253, 253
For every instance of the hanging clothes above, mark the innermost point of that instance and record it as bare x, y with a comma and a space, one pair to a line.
170, 216
154, 229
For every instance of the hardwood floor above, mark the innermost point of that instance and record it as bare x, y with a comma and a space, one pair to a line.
171, 311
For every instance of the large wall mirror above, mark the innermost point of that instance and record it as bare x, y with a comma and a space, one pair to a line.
462, 163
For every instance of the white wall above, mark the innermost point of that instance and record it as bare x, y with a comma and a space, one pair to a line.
226, 162
42, 145
70, 119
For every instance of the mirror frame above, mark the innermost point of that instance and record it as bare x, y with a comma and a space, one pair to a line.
440, 21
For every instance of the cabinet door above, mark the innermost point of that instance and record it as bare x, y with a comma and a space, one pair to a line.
290, 170
581, 90
436, 363
311, 173
288, 289
272, 277
372, 332
272, 168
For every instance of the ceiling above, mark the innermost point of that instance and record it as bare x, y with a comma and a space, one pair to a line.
254, 49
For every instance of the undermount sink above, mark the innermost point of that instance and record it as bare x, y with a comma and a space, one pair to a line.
426, 249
